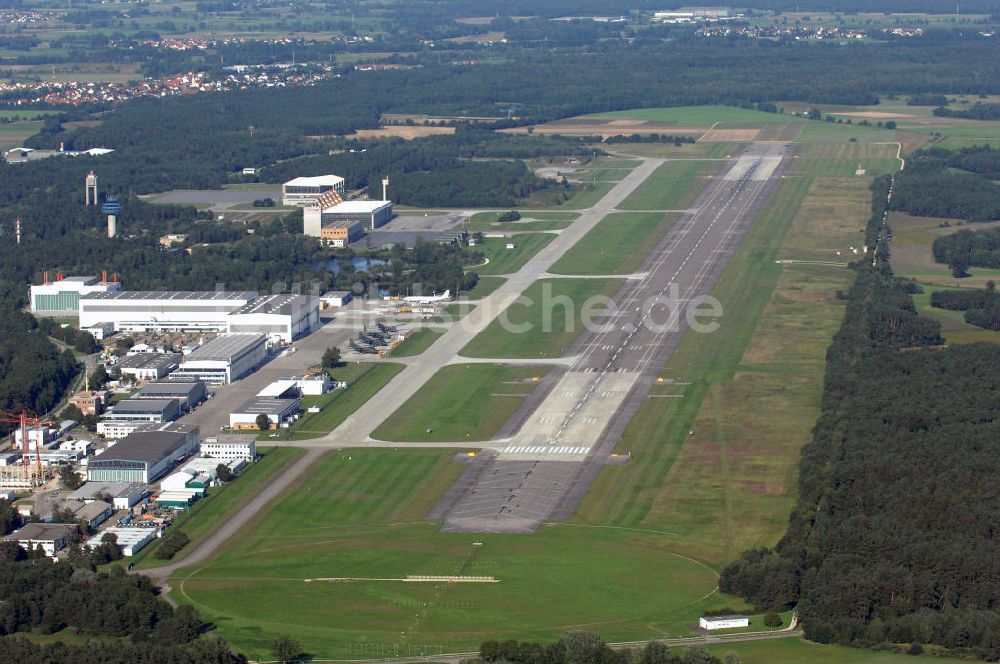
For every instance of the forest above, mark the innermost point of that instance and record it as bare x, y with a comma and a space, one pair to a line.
981, 307
939, 183
978, 111
967, 248
891, 538
590, 648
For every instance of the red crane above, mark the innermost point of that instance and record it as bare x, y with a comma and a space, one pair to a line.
23, 420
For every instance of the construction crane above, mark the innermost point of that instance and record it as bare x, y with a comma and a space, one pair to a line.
24, 419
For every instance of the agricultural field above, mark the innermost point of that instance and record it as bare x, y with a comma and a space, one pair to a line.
501, 260
550, 315
617, 245
359, 514
14, 134
462, 402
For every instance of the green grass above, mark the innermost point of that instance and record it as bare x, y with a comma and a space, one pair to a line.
507, 261
462, 402
360, 513
544, 323
483, 287
531, 220
673, 186
418, 342
221, 503
954, 329
587, 196
339, 404
800, 651
14, 135
697, 116
617, 245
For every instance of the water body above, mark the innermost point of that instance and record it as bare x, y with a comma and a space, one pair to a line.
360, 263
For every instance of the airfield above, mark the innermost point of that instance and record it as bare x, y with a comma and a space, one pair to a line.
601, 476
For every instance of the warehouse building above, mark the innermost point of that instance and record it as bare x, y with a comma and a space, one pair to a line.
52, 537
723, 622
330, 214
283, 317
145, 455
305, 190
129, 540
147, 366
278, 411
224, 359
189, 393
63, 295
334, 299
123, 495
182, 311
340, 233
126, 416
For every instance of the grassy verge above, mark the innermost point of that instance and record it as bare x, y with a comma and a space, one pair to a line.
617, 245
550, 317
462, 402
418, 342
207, 514
505, 261
673, 186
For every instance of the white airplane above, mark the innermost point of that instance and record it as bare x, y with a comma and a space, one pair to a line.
428, 299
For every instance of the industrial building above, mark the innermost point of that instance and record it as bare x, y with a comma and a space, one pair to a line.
182, 311
224, 359
296, 386
332, 299
130, 540
189, 393
283, 317
126, 416
340, 233
145, 455
723, 622
230, 447
319, 217
63, 294
305, 190
148, 366
123, 494
52, 537
278, 411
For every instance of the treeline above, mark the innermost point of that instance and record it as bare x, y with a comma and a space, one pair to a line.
590, 648
981, 307
929, 187
966, 248
978, 111
124, 612
891, 540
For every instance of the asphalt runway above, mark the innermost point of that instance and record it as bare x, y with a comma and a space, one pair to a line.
548, 466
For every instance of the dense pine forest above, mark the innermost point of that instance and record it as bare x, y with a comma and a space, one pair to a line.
892, 538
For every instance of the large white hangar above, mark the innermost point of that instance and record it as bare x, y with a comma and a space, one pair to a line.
224, 359
163, 310
282, 317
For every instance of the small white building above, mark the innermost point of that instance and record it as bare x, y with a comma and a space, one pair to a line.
332, 299
231, 447
278, 412
723, 622
130, 540
123, 494
303, 191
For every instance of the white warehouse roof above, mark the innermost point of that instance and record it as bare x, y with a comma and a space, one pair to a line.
355, 207
315, 181
277, 388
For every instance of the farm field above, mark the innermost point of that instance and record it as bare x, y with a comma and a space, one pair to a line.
462, 402
673, 186
550, 327
359, 514
13, 135
617, 245
223, 502
505, 261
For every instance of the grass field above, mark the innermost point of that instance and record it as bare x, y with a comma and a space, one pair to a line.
462, 402
550, 317
954, 329
14, 135
912, 255
484, 287
587, 195
359, 513
617, 245
531, 220
339, 404
673, 186
697, 116
800, 651
418, 342
506, 261
223, 502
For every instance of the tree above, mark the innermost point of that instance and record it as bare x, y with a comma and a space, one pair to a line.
654, 652
772, 619
71, 412
731, 658
69, 478
99, 378
263, 422
584, 648
698, 655
223, 473
286, 649
331, 358
90, 422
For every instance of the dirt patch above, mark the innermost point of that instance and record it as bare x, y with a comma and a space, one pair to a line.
729, 135
627, 123
406, 132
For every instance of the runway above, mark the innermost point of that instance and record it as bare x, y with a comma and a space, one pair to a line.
548, 465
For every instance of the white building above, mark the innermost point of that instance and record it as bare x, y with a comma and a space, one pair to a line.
52, 537
302, 191
224, 359
147, 366
278, 411
162, 310
333, 299
63, 295
123, 494
230, 448
283, 317
723, 622
371, 214
130, 540
126, 416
